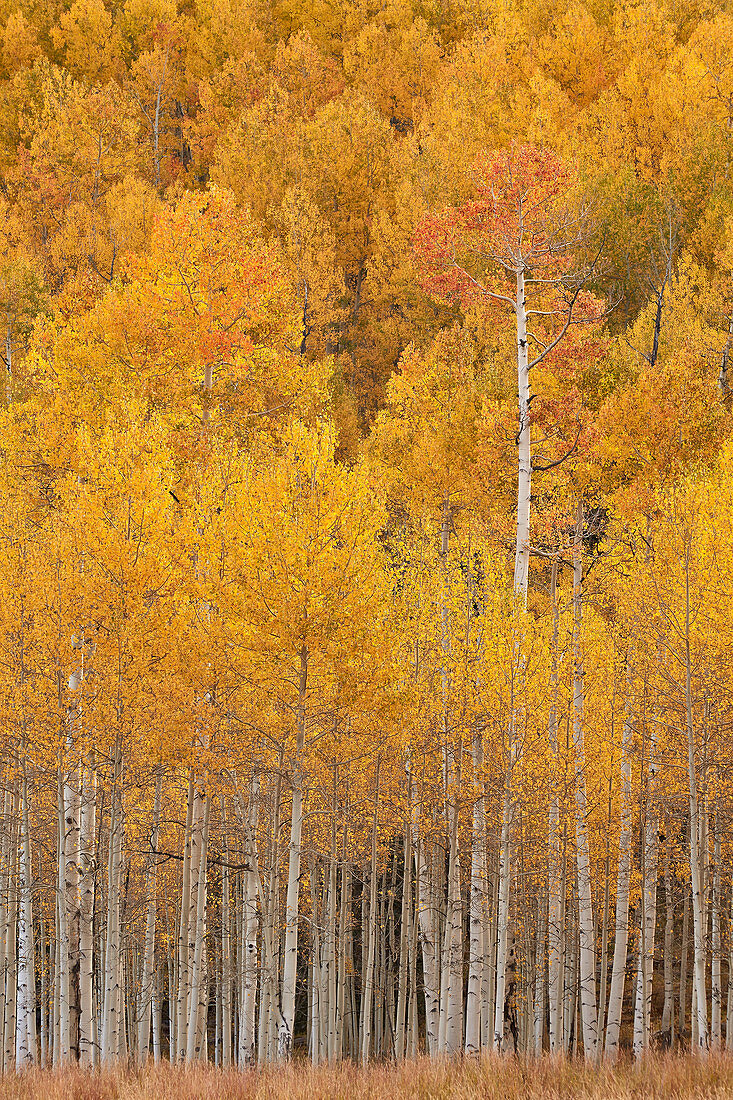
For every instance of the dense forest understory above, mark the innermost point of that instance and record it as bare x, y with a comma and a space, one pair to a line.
366, 543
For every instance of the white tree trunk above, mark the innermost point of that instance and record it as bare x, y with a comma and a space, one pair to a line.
648, 926
452, 968
502, 931
476, 947
524, 482
368, 977
25, 1042
285, 1037
621, 935
554, 902
88, 1046
700, 994
668, 1008
250, 926
587, 955
716, 974
112, 1025
148, 974
199, 988
426, 926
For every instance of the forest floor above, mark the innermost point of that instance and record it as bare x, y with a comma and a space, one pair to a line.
663, 1077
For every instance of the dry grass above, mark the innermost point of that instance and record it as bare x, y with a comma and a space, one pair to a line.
665, 1078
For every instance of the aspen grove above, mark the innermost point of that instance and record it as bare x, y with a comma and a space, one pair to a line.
366, 531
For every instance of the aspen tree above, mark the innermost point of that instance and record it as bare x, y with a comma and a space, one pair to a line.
621, 933
25, 1041
586, 931
554, 919
148, 973
650, 834
695, 861
478, 902
368, 993
88, 1043
285, 1031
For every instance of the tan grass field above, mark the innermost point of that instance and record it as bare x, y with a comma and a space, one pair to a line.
663, 1077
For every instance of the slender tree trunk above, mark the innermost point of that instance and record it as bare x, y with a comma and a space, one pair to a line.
25, 1042
62, 1051
194, 1043
604, 931
226, 952
250, 924
331, 931
287, 1023
587, 956
650, 843
684, 949
368, 994
148, 973
668, 1008
524, 482
452, 968
426, 921
182, 967
88, 1048
477, 946
112, 1024
621, 934
554, 907
539, 992
716, 986
700, 993
729, 1012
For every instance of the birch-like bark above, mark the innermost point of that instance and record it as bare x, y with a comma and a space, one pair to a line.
182, 958
502, 930
250, 925
604, 931
285, 1037
368, 977
62, 1049
667, 1028
6, 849
621, 933
148, 972
45, 962
524, 480
111, 1025
25, 1041
226, 952
716, 945
700, 992
331, 930
88, 1046
426, 922
645, 969
684, 951
587, 956
490, 924
400, 1034
197, 892
194, 1042
11, 972
539, 992
729, 1013
341, 982
554, 904
477, 902
452, 967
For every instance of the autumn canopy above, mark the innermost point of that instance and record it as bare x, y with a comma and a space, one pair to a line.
366, 540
